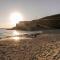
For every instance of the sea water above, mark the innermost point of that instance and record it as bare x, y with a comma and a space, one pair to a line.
6, 33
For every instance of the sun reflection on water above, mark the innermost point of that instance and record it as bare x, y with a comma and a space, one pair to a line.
16, 38
15, 35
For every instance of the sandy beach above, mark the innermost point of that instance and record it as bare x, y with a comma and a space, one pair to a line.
43, 47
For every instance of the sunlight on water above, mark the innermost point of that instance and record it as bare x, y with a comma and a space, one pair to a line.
16, 38
15, 33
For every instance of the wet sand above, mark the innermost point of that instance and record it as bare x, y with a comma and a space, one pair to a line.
41, 47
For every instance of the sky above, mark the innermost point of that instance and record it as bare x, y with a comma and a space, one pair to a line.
30, 9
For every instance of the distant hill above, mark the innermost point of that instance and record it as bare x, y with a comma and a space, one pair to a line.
49, 22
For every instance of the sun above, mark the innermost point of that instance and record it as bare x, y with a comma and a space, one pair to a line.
15, 17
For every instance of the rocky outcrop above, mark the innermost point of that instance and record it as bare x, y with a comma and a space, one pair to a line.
49, 22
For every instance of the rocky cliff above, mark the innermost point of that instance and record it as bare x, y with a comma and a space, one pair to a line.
49, 22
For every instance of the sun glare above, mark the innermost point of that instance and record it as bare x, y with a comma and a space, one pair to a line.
15, 37
15, 17
15, 33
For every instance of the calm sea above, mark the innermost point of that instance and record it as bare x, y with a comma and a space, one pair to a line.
6, 33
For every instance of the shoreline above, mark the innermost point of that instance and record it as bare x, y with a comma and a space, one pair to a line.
44, 47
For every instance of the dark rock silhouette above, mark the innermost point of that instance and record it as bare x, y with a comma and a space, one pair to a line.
49, 22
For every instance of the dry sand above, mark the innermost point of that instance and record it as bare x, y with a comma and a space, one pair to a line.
43, 47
